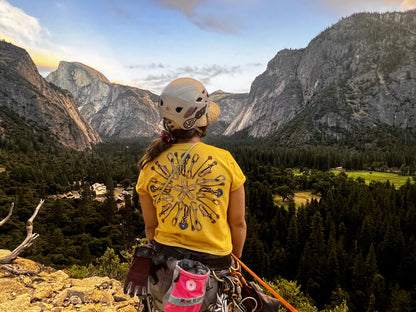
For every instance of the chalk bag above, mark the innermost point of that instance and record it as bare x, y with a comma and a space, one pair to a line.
187, 291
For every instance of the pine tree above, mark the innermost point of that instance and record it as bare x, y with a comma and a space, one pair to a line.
317, 245
292, 247
332, 265
358, 273
391, 249
371, 266
85, 254
110, 206
407, 270
367, 234
378, 288
400, 300
372, 304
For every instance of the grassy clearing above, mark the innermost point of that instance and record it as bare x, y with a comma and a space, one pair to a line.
304, 197
300, 198
368, 176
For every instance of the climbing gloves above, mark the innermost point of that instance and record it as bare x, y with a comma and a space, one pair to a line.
140, 268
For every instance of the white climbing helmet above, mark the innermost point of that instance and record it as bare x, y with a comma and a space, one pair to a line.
185, 101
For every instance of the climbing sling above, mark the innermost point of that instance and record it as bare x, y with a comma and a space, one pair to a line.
184, 156
271, 290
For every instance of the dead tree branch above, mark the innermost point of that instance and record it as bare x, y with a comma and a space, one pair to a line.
8, 216
11, 269
30, 237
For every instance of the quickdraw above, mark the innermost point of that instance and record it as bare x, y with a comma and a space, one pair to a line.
230, 297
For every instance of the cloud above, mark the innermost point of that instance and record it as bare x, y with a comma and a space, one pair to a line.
187, 7
351, 6
204, 73
147, 66
27, 32
408, 4
213, 76
23, 29
206, 21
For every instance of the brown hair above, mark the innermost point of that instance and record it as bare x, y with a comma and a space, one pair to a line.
159, 145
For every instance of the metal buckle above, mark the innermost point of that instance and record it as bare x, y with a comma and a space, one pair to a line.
144, 252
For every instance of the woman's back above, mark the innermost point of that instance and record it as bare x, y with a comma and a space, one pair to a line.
192, 210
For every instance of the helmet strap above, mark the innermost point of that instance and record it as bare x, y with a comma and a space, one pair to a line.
201, 132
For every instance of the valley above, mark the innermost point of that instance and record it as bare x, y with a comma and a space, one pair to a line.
346, 237
374, 176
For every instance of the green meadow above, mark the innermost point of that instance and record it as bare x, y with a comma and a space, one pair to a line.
368, 176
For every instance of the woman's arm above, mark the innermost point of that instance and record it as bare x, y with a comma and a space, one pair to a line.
149, 215
237, 221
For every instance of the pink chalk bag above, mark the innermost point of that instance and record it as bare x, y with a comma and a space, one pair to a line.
187, 291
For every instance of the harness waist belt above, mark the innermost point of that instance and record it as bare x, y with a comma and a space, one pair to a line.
214, 262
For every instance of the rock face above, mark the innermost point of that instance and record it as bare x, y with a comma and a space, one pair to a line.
28, 286
113, 110
231, 105
24, 91
361, 72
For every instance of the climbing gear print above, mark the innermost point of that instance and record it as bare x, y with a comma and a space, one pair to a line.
188, 189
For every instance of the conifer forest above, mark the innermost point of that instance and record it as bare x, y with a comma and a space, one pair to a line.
355, 243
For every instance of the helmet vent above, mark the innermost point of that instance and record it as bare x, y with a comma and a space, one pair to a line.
160, 103
179, 109
199, 99
189, 112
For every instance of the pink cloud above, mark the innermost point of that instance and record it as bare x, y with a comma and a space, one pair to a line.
353, 6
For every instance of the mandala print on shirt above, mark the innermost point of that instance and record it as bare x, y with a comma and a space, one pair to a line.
192, 199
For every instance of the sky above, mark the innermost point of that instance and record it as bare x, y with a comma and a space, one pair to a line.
148, 43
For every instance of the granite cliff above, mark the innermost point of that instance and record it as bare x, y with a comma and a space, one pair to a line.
231, 105
113, 110
24, 91
358, 74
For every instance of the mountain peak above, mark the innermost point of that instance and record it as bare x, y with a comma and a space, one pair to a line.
26, 93
113, 110
78, 73
93, 72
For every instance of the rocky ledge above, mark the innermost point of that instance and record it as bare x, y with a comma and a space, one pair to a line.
31, 287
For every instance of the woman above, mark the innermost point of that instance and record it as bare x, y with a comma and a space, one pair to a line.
191, 194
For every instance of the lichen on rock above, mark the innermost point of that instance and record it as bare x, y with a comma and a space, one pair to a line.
28, 286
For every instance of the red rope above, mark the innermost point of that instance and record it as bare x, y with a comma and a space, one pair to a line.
272, 291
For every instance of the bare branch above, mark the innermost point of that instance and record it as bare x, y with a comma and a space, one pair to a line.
11, 269
8, 216
30, 237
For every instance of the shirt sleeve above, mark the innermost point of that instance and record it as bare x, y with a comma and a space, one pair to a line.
237, 174
141, 186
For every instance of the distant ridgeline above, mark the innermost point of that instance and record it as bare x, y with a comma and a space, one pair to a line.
352, 82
